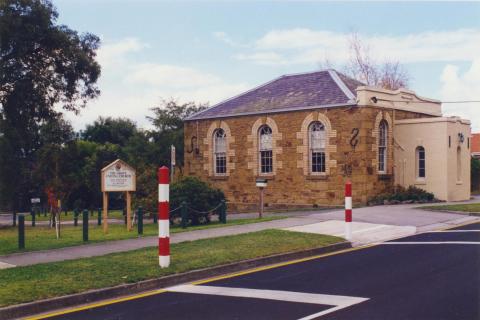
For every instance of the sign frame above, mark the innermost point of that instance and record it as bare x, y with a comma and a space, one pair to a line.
118, 165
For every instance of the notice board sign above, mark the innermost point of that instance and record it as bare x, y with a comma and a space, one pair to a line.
118, 177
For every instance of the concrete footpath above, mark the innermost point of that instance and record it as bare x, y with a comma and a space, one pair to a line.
371, 224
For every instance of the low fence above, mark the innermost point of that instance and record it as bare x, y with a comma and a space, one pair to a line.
183, 214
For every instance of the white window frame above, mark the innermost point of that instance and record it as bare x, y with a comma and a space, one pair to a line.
382, 147
318, 147
265, 152
219, 155
418, 163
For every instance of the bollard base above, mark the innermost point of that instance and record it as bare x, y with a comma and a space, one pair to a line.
348, 231
164, 261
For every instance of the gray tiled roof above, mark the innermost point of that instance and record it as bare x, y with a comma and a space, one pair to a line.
287, 93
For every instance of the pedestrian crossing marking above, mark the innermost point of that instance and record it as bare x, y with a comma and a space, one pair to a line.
338, 302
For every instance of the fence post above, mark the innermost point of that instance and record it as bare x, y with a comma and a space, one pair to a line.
124, 212
155, 218
99, 217
348, 210
32, 213
85, 225
163, 217
224, 211
14, 216
21, 231
140, 220
75, 217
65, 210
184, 213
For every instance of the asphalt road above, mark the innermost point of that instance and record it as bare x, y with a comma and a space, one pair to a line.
427, 276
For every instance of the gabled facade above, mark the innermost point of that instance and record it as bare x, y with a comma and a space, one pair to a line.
307, 134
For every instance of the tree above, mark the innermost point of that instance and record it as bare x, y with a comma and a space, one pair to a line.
168, 122
42, 65
361, 66
388, 75
113, 130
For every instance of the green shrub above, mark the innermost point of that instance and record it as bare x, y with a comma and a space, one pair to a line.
199, 197
401, 194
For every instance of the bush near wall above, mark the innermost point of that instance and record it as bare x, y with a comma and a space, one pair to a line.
199, 197
411, 194
475, 175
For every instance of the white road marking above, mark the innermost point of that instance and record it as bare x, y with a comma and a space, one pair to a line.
431, 242
339, 302
447, 231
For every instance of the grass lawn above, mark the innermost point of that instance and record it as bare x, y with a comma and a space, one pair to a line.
42, 237
471, 208
24, 284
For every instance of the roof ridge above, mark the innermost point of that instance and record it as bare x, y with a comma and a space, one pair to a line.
341, 84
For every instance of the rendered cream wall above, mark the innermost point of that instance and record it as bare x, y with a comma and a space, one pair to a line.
432, 137
441, 161
458, 189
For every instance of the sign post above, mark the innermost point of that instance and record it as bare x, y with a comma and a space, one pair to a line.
172, 162
261, 184
118, 176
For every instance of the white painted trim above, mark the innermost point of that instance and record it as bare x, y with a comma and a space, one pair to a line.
290, 296
164, 261
163, 192
447, 231
432, 242
266, 112
341, 85
163, 228
348, 203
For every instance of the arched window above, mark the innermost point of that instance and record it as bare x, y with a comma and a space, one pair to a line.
382, 146
220, 151
420, 157
317, 147
459, 164
265, 150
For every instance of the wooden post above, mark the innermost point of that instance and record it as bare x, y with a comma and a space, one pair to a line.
129, 211
105, 212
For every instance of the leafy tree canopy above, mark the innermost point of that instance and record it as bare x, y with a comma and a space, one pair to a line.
42, 65
113, 130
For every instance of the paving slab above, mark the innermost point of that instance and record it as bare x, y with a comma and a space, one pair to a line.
362, 233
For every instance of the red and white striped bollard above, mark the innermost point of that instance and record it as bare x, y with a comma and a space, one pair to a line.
348, 210
163, 217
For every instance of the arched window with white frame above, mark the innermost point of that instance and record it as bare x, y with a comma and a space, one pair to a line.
420, 162
220, 152
265, 149
382, 146
317, 138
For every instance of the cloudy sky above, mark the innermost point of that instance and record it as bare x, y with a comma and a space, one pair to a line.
209, 51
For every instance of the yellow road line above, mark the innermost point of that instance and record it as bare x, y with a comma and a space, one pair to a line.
98, 304
227, 276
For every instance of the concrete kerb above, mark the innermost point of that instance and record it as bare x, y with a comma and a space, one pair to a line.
48, 305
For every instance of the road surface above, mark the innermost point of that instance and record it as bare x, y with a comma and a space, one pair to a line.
433, 275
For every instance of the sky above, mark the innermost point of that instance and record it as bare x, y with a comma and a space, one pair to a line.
205, 51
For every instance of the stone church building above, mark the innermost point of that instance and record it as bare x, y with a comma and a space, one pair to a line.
309, 133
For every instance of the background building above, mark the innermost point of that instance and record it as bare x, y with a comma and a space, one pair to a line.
308, 133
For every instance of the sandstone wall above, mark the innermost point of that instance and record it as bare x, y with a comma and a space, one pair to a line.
292, 184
